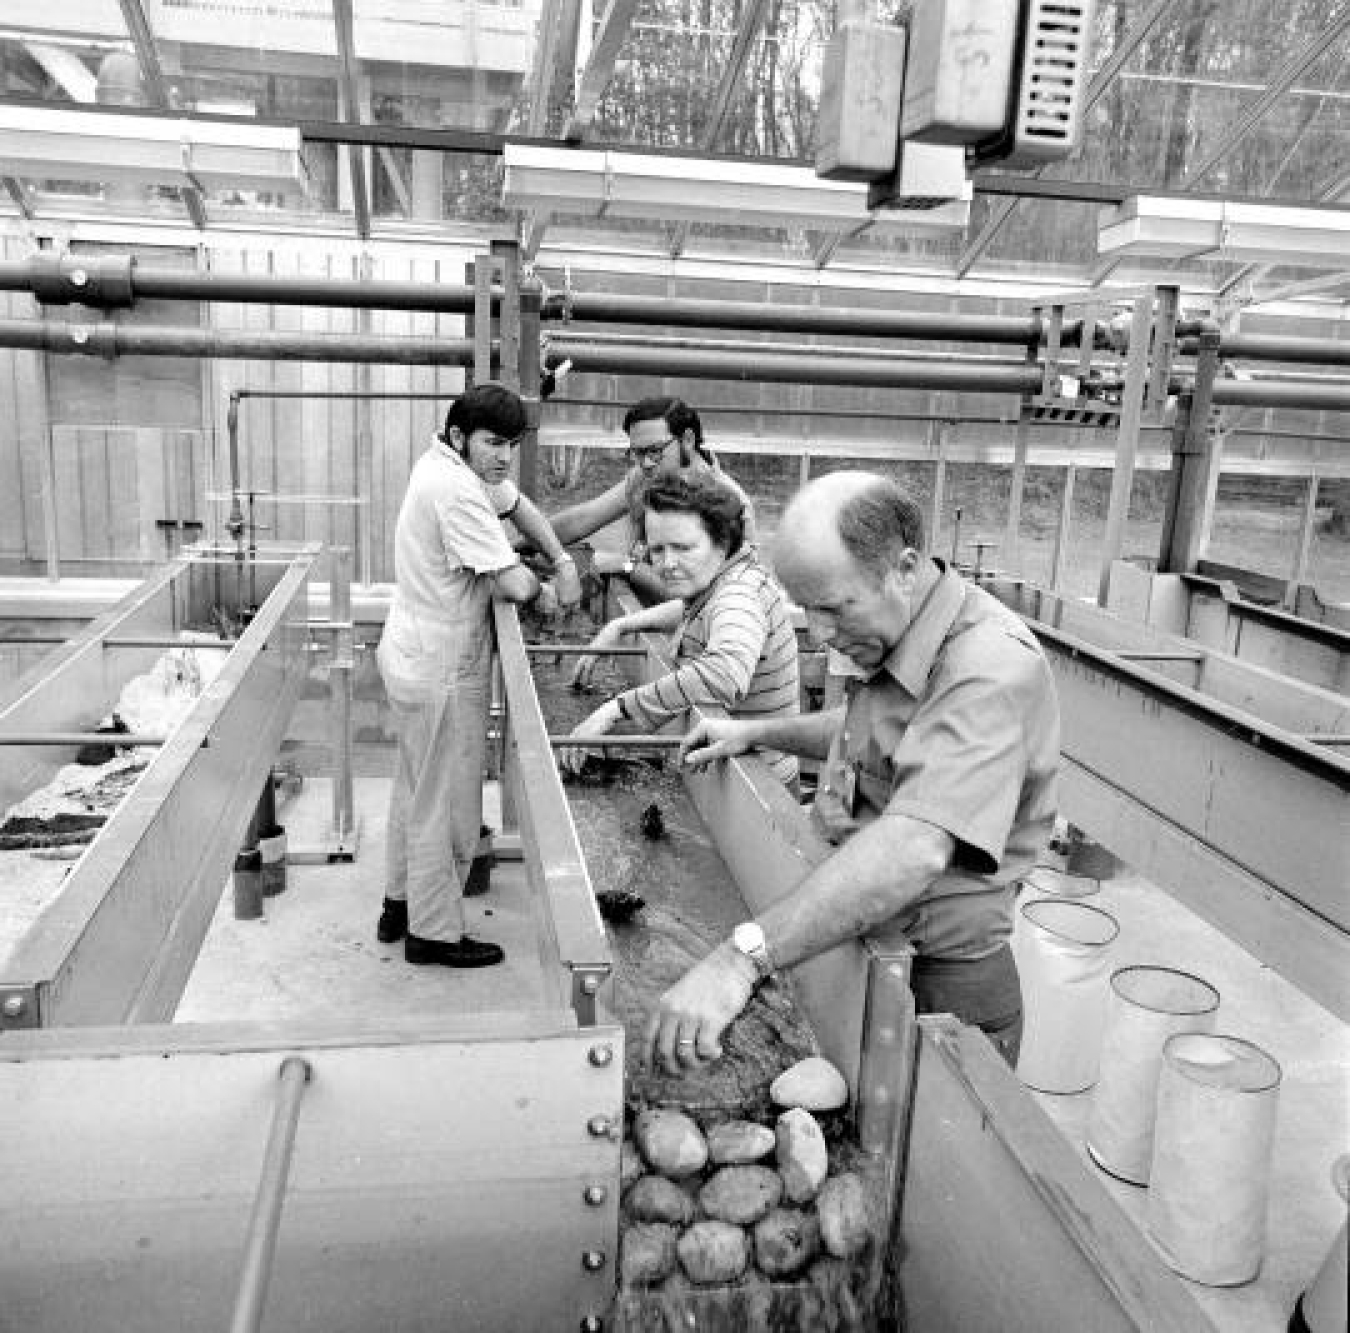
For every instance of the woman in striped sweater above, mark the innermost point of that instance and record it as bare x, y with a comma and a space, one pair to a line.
733, 642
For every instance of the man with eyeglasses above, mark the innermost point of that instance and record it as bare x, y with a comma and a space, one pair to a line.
451, 558
665, 439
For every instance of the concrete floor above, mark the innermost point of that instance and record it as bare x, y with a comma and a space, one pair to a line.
314, 951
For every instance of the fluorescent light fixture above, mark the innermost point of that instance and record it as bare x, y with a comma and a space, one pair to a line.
1174, 228
681, 189
55, 144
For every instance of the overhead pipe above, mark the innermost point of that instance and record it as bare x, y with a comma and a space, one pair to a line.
107, 281
688, 312
111, 340
1275, 347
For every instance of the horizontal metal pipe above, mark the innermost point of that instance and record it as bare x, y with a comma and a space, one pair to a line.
771, 367
1265, 393
579, 649
610, 308
118, 738
110, 340
653, 742
265, 1221
116, 280
1274, 347
125, 641
561, 341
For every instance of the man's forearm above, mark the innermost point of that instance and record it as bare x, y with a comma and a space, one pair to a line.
807, 734
882, 869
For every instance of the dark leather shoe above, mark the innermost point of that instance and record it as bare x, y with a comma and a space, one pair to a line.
393, 924
463, 952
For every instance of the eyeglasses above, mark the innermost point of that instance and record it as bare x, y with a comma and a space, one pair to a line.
650, 453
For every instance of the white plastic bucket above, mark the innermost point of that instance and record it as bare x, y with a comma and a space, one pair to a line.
1208, 1182
1064, 960
1146, 1006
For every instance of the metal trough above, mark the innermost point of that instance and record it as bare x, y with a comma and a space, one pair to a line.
463, 1170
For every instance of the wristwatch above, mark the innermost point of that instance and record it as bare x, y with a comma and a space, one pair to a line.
749, 939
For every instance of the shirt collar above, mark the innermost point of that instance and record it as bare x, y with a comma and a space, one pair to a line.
911, 660
743, 558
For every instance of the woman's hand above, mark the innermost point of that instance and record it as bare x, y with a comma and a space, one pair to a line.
599, 723
610, 636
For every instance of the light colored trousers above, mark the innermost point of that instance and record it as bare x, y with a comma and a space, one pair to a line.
438, 677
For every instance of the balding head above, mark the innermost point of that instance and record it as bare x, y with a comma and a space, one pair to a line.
862, 515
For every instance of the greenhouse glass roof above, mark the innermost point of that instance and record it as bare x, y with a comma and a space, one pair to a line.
403, 108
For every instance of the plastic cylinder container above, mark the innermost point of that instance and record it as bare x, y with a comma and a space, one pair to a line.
1146, 1006
272, 848
1322, 1307
1045, 881
248, 895
1209, 1179
1064, 960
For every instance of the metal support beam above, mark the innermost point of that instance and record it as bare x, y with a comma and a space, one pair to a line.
1101, 81
349, 88
600, 67
1280, 83
1127, 441
19, 198
152, 72
1197, 456
752, 19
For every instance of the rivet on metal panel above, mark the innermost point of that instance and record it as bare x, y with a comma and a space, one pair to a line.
592, 1323
600, 1127
595, 1195
600, 1056
593, 1260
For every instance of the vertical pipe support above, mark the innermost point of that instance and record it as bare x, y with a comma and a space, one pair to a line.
1127, 441
1197, 456
340, 694
531, 299
1061, 553
1299, 572
51, 538
265, 1221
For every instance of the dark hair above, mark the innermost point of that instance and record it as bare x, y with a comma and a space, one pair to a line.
720, 509
675, 412
487, 406
878, 524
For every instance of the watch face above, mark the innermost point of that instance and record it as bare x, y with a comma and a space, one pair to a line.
749, 939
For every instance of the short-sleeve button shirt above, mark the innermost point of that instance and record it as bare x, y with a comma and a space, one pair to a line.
959, 728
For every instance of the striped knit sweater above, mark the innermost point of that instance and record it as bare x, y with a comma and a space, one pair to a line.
735, 648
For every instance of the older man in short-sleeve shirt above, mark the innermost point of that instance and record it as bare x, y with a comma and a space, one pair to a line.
958, 728
939, 781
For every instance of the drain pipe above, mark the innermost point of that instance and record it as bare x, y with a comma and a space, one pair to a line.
260, 1245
